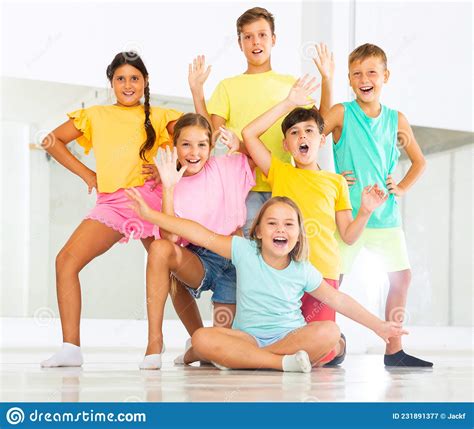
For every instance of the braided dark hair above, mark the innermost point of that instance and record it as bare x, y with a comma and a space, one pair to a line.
133, 59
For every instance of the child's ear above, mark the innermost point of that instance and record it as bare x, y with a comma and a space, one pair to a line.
386, 76
257, 233
323, 140
273, 39
285, 146
239, 43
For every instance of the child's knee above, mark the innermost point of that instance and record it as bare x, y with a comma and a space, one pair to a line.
327, 331
161, 251
200, 340
66, 263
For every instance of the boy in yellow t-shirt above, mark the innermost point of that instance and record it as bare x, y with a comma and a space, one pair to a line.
240, 99
322, 196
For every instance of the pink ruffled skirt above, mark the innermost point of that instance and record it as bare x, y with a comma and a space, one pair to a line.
112, 210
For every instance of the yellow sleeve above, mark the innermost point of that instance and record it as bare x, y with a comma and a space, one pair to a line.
162, 135
275, 167
82, 122
219, 102
343, 199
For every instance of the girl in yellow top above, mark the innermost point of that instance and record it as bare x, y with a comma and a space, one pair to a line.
124, 137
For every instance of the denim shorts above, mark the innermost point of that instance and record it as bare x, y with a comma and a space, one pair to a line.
254, 202
268, 341
219, 276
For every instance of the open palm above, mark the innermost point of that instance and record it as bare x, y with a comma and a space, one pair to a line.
166, 162
197, 72
301, 91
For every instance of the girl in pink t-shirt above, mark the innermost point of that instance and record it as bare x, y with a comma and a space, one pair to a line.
211, 191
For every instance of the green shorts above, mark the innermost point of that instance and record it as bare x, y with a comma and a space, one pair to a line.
388, 244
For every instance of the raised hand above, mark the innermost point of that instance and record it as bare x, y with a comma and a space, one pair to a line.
300, 92
166, 163
372, 197
324, 61
350, 180
151, 173
229, 139
393, 188
138, 204
198, 73
387, 330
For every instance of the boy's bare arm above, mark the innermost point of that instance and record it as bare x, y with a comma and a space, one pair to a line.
351, 229
324, 61
333, 122
408, 142
298, 96
252, 132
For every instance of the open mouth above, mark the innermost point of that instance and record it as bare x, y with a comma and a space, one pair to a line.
257, 51
193, 161
303, 148
128, 93
366, 89
280, 241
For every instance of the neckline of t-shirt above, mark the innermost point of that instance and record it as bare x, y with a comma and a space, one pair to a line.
259, 74
127, 107
367, 117
200, 171
274, 269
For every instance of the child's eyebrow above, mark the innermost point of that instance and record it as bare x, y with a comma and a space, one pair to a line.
256, 31
274, 218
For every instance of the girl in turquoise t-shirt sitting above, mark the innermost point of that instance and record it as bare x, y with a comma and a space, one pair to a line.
269, 331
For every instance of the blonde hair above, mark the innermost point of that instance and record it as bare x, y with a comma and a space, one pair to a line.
301, 250
366, 51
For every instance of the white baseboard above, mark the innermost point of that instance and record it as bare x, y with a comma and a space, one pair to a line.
97, 333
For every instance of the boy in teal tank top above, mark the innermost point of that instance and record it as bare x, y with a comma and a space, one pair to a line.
365, 135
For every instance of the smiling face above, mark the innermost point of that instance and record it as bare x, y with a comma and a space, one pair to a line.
278, 231
256, 41
128, 84
303, 141
193, 147
367, 77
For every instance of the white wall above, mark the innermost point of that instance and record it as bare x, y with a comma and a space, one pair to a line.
74, 42
429, 49
15, 218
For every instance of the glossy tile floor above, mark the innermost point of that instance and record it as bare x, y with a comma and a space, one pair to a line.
111, 375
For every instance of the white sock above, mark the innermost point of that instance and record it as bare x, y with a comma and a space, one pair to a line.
299, 362
180, 359
221, 367
69, 355
152, 361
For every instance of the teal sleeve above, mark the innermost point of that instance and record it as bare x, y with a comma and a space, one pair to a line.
239, 245
313, 278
